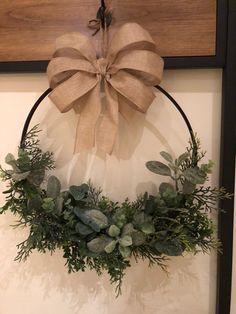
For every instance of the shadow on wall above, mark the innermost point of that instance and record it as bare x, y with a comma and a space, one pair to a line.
140, 282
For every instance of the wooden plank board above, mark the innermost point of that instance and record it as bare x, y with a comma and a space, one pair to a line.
28, 28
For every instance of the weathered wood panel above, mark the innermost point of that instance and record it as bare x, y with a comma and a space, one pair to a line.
28, 28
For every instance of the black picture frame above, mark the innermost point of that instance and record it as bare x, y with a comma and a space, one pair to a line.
224, 58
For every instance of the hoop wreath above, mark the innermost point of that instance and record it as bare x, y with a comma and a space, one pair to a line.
97, 233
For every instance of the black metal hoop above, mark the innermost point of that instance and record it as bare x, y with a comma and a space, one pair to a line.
162, 90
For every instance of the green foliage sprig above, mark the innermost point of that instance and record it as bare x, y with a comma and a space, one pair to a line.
97, 233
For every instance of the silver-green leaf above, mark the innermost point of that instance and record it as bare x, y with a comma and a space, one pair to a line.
124, 251
93, 218
36, 176
167, 156
98, 245
83, 229
138, 238
194, 175
127, 229
164, 186
109, 248
20, 176
170, 248
113, 231
183, 157
78, 192
158, 168
125, 241
53, 187
148, 228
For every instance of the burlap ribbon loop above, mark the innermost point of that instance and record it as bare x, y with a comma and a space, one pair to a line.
129, 70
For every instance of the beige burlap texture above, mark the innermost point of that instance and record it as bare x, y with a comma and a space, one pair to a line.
128, 72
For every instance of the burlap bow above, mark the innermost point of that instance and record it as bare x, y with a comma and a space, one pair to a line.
128, 72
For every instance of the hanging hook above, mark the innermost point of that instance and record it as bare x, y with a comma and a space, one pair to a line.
103, 18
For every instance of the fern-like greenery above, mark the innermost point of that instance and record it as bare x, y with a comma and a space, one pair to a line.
97, 233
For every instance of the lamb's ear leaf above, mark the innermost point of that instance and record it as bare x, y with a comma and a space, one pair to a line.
158, 168
20, 176
98, 245
83, 229
53, 187
195, 175
125, 251
36, 176
10, 159
92, 218
110, 247
167, 156
125, 241
113, 231
138, 238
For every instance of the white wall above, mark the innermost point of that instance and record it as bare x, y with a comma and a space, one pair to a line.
42, 285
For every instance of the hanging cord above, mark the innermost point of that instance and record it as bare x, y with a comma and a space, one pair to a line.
102, 22
162, 90
103, 18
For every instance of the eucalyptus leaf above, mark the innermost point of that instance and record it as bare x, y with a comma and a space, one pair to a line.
167, 156
59, 204
79, 192
188, 187
53, 187
127, 229
20, 176
139, 219
113, 231
138, 238
10, 159
194, 175
36, 176
83, 229
125, 240
170, 248
164, 187
98, 245
124, 251
93, 218
148, 228
158, 168
109, 248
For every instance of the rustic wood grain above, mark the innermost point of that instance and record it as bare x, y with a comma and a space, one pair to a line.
28, 28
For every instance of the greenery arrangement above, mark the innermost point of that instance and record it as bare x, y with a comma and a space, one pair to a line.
100, 234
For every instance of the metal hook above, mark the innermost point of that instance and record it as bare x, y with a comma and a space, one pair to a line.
103, 18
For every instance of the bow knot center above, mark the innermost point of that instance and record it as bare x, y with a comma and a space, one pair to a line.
102, 68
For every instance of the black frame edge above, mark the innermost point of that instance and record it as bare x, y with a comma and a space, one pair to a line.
227, 166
